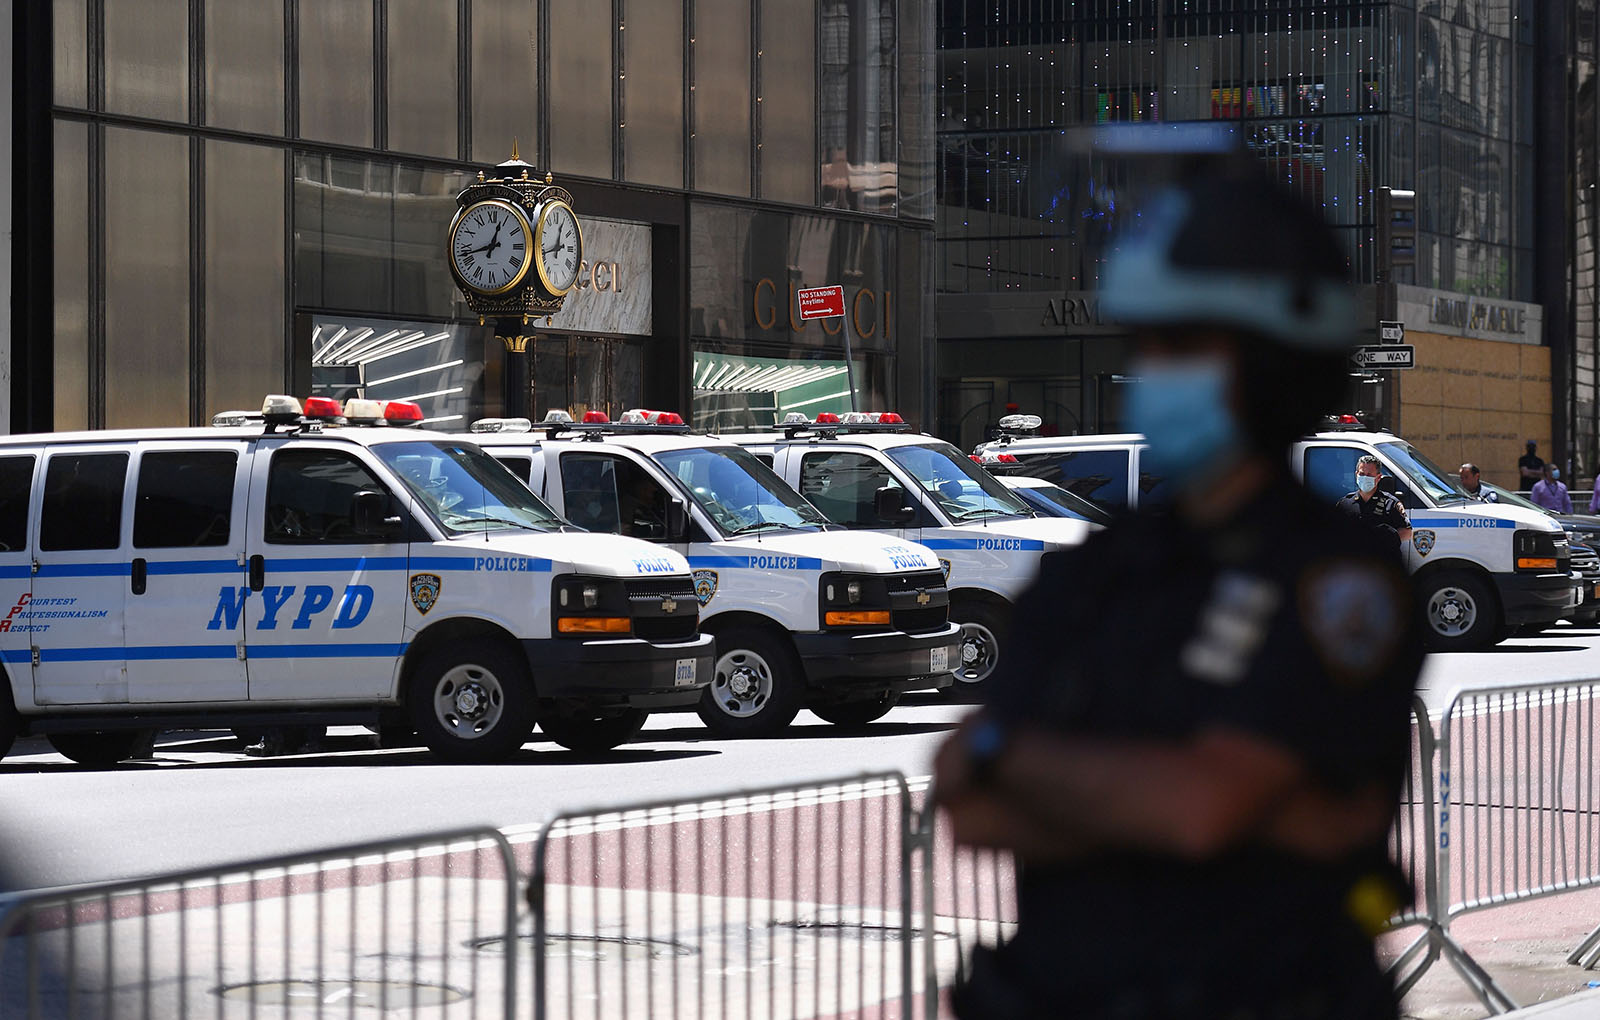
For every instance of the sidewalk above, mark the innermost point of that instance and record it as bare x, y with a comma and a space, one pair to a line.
1524, 946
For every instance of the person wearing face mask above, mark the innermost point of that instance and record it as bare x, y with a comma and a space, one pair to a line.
1378, 512
1203, 723
1550, 491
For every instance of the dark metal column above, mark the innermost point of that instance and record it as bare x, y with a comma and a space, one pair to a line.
32, 222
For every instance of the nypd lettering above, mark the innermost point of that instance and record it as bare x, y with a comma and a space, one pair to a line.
279, 606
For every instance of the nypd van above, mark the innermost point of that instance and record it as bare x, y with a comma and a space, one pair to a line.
1482, 570
805, 614
870, 472
297, 569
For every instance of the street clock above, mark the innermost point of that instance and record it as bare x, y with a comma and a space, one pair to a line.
515, 244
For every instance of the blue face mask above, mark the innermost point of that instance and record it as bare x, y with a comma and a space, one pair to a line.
1366, 483
1555, 474
1181, 406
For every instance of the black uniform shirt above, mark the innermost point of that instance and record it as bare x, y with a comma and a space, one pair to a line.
1288, 624
1383, 514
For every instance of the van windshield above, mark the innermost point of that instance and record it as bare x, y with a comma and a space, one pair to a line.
465, 490
738, 492
963, 490
1439, 485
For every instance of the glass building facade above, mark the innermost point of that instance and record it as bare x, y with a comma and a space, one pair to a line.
1337, 97
227, 199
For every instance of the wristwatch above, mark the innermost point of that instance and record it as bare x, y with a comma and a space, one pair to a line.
986, 742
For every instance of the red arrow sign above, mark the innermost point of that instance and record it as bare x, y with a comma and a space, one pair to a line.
821, 302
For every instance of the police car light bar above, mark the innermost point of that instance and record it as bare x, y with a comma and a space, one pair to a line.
235, 419
323, 408
360, 411
1020, 422
501, 425
281, 409
595, 424
402, 413
829, 424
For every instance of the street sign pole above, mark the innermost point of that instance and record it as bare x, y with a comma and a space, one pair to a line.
828, 303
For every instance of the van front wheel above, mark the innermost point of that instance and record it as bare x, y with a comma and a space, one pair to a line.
1459, 612
472, 706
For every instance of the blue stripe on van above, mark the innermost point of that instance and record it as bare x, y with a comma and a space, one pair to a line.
85, 569
340, 563
1460, 522
162, 652
999, 542
533, 563
15, 570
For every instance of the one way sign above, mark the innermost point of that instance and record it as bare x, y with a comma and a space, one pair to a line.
1385, 356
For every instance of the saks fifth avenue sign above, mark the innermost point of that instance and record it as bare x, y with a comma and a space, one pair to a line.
1424, 309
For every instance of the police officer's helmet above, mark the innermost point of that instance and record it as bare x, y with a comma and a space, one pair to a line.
1233, 250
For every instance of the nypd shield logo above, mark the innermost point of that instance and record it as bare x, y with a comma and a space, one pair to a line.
944, 567
425, 589
705, 585
1422, 539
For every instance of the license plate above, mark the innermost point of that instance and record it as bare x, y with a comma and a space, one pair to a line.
685, 673
939, 660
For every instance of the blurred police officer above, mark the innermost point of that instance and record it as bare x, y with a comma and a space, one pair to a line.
1379, 513
1196, 743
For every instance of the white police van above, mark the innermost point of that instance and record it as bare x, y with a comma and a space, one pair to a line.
805, 614
1482, 570
298, 571
869, 471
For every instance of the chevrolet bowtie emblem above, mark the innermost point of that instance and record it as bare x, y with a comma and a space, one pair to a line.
669, 605
923, 598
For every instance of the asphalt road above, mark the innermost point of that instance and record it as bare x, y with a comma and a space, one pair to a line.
201, 802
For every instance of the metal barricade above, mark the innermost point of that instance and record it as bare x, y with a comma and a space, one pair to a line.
405, 926
1519, 816
1412, 838
779, 902
967, 898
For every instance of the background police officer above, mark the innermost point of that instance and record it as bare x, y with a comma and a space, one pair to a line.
1472, 482
1378, 512
1199, 732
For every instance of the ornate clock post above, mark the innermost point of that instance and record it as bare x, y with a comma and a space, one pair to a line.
515, 246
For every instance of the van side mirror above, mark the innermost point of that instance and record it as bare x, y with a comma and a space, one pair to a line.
369, 515
677, 521
889, 504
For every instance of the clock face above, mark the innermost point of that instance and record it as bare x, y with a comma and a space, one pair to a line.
489, 246
560, 245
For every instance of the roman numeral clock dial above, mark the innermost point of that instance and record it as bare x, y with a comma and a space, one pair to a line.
489, 246
559, 245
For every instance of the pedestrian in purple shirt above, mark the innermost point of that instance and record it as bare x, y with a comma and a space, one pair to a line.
1550, 493
1594, 501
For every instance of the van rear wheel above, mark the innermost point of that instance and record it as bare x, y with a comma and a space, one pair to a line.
1459, 612
472, 706
594, 734
103, 749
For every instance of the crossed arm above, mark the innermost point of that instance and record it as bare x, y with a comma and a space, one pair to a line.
1054, 798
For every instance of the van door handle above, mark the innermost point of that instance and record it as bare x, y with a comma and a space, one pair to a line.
138, 574
258, 572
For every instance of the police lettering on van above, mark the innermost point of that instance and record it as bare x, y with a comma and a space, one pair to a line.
987, 539
294, 569
805, 614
